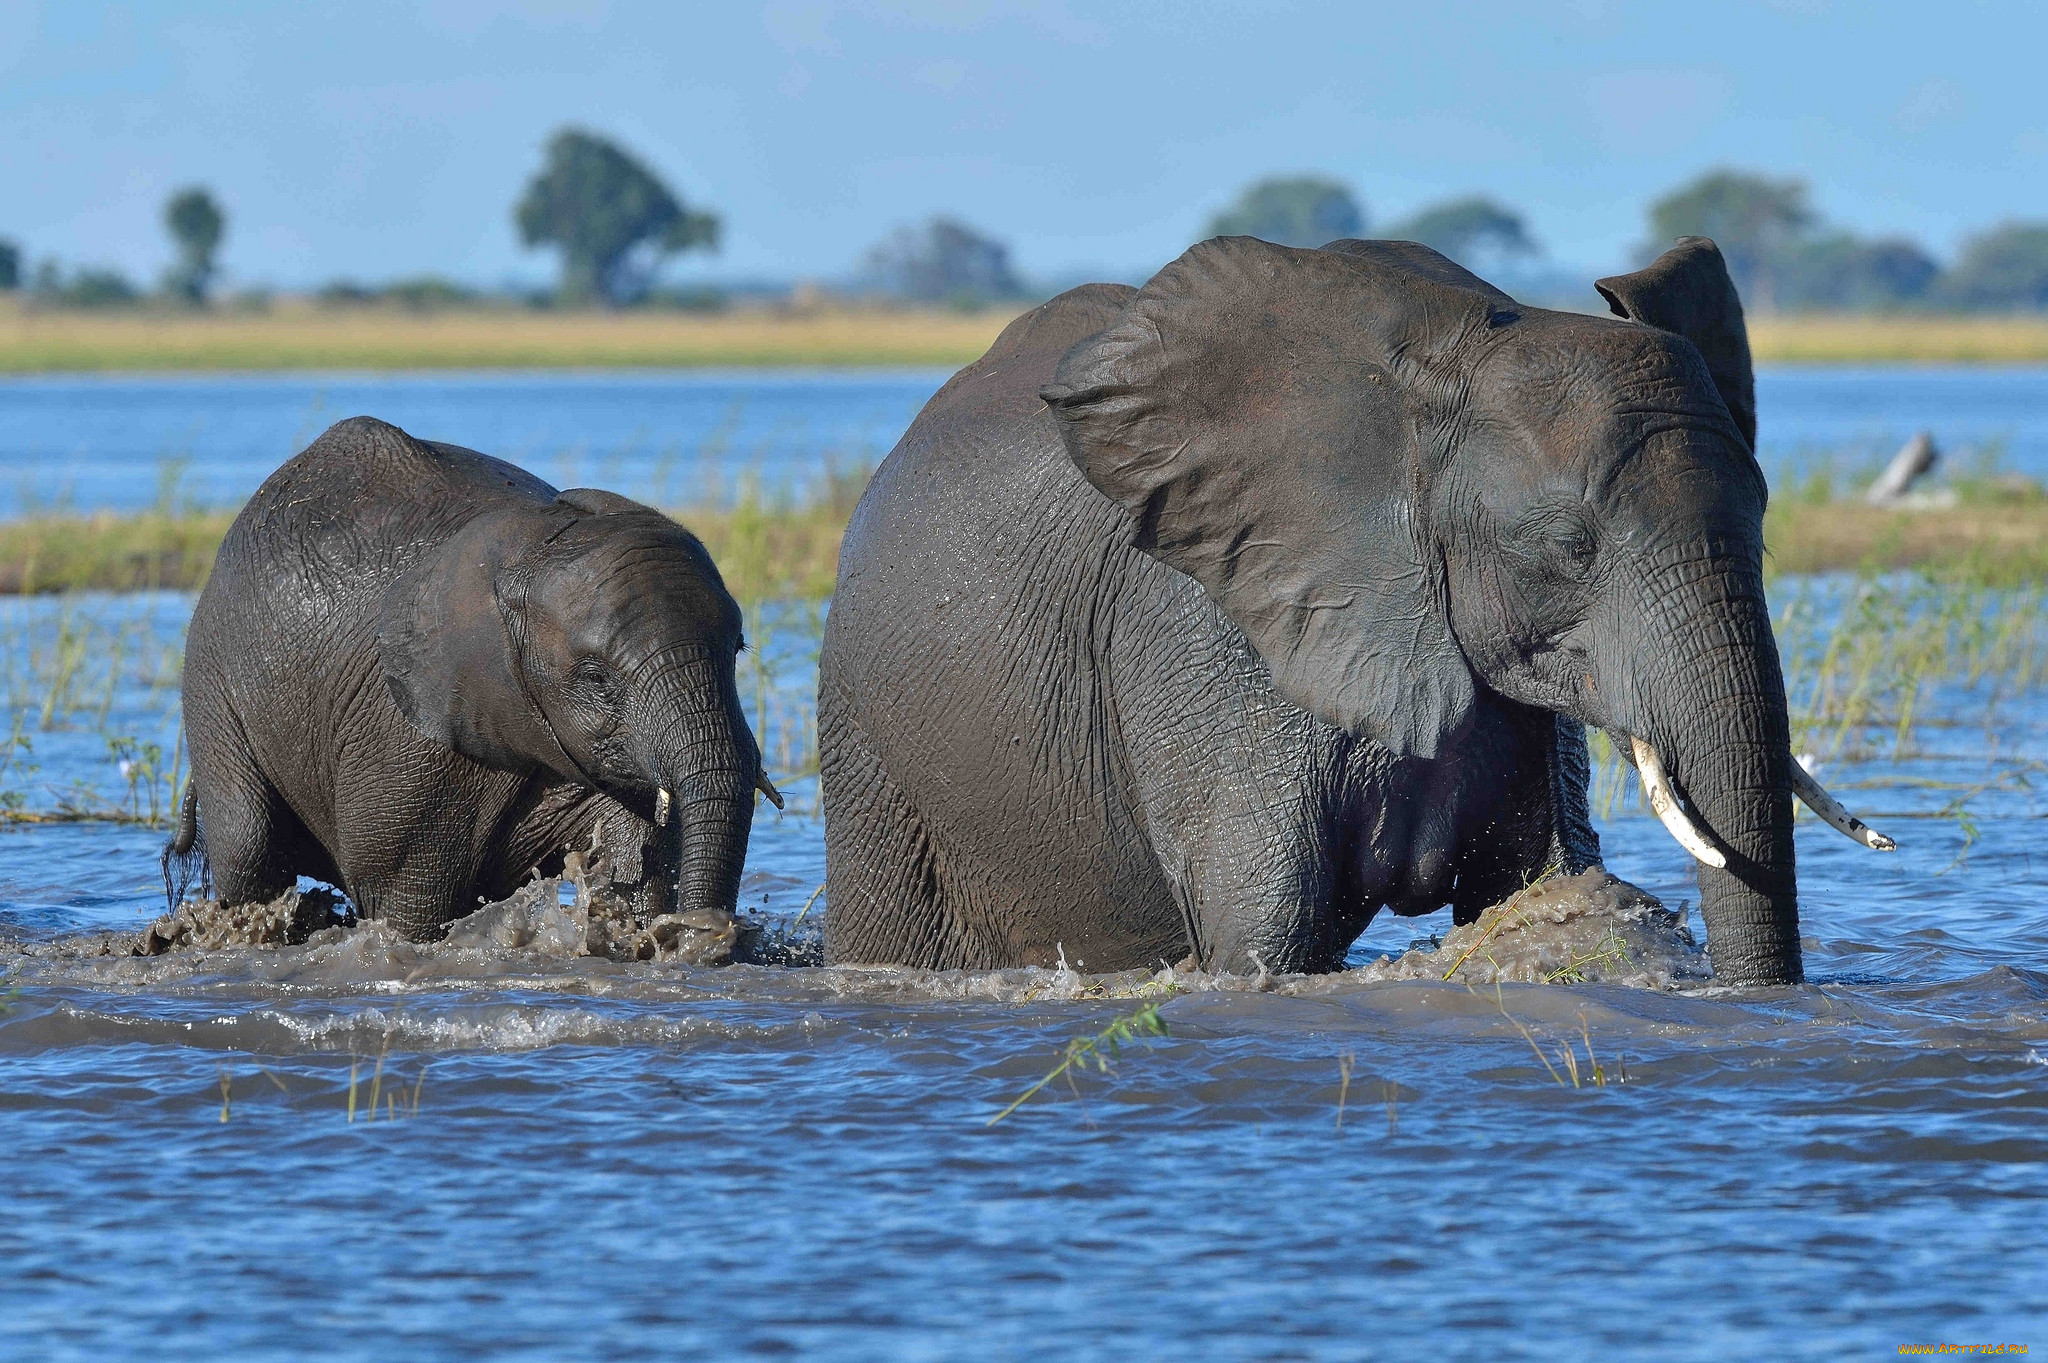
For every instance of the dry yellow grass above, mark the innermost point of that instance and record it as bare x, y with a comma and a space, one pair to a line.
298, 336
1899, 340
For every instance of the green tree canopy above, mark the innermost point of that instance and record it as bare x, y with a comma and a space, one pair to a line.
943, 261
88, 287
1468, 230
196, 225
10, 265
2006, 267
612, 219
1304, 210
1842, 270
1752, 219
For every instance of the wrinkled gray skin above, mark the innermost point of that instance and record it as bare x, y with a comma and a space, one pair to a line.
1211, 618
419, 673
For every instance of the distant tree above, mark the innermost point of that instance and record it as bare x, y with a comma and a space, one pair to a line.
1303, 210
10, 266
1469, 231
612, 219
196, 225
1841, 270
91, 288
942, 261
1751, 218
2006, 267
345, 293
87, 288
423, 293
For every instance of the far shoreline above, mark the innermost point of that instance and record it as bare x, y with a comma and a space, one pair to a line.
780, 550
301, 338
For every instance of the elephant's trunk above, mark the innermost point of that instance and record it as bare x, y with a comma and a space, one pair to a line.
711, 815
1710, 700
707, 765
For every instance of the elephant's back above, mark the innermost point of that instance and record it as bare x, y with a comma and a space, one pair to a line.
981, 460
364, 495
953, 524
335, 524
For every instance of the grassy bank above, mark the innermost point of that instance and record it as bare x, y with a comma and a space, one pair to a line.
790, 550
766, 550
301, 336
2004, 545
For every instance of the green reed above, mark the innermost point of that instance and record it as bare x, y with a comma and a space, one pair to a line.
1864, 659
1566, 1072
1099, 1050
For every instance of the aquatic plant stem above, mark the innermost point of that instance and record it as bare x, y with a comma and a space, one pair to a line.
808, 902
1100, 1048
377, 1078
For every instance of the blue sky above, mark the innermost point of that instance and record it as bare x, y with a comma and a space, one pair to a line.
374, 140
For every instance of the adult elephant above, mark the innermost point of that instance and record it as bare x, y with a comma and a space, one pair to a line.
1207, 619
420, 674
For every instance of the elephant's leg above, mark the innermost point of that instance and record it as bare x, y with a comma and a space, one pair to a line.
885, 896
254, 843
419, 879
1266, 911
1522, 808
413, 833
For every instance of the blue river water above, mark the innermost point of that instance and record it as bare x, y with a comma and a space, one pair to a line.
578, 1158
675, 437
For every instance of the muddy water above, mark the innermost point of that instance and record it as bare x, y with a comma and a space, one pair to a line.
578, 1157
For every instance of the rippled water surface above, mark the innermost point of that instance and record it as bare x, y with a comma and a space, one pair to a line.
579, 1158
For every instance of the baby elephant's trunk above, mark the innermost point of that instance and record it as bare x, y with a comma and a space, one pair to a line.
709, 776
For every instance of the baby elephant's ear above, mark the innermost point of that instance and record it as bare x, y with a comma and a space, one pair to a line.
445, 637
1687, 291
1247, 413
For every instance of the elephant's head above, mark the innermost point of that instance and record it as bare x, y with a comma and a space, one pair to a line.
1404, 487
590, 638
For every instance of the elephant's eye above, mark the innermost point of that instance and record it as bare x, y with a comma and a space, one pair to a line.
1555, 543
593, 671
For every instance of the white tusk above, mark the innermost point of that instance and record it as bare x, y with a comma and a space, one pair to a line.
1830, 809
661, 808
1664, 800
767, 787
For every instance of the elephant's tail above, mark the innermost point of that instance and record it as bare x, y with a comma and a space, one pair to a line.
185, 853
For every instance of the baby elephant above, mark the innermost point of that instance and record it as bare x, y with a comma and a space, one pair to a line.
420, 674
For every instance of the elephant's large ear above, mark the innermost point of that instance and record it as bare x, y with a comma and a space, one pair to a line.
1687, 291
1252, 409
446, 639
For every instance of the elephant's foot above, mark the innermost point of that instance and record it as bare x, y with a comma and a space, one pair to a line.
700, 937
